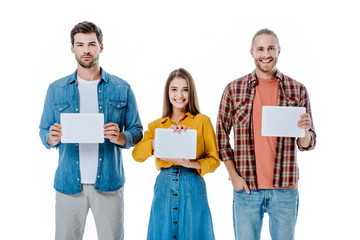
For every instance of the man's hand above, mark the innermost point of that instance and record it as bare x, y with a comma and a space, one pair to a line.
54, 134
239, 184
112, 132
305, 122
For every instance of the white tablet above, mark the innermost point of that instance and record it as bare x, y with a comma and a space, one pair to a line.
282, 121
175, 145
82, 127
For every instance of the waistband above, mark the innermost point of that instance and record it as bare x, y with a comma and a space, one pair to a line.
178, 170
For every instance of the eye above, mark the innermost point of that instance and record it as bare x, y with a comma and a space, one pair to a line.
186, 89
92, 44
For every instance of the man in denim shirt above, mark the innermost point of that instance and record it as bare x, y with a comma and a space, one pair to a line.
90, 175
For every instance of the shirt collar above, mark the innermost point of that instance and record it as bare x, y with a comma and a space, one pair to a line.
163, 120
253, 79
104, 76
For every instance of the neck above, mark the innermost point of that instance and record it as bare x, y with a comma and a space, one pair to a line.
177, 114
89, 74
266, 75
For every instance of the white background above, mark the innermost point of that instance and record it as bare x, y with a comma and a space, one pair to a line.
144, 41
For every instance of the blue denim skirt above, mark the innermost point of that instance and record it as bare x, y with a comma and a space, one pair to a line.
180, 208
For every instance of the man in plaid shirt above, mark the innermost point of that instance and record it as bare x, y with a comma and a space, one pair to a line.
263, 170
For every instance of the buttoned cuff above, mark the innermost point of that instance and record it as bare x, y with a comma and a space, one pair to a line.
128, 140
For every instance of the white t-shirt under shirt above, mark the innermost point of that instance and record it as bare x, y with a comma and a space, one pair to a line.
88, 152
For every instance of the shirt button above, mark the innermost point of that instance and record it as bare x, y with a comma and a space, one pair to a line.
78, 179
77, 163
60, 109
100, 107
100, 159
99, 90
98, 176
175, 194
175, 222
77, 109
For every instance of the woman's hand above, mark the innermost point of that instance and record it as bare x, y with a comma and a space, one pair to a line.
183, 162
178, 128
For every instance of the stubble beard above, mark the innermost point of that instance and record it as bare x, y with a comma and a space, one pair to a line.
272, 69
89, 64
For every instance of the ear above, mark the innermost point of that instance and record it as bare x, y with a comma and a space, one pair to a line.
72, 48
252, 52
101, 47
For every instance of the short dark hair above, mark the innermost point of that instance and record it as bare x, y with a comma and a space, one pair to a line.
86, 27
264, 31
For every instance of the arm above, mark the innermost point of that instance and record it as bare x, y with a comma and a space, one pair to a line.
132, 132
144, 149
226, 154
309, 141
50, 131
211, 159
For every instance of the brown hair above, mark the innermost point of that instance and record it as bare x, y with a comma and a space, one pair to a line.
264, 31
193, 105
86, 27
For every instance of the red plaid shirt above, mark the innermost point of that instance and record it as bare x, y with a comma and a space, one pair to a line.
236, 112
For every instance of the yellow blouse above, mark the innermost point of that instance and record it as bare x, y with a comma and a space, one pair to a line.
206, 152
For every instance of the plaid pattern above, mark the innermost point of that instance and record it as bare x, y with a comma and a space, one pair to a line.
236, 112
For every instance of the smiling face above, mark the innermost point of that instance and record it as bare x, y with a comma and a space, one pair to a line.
265, 51
86, 49
179, 94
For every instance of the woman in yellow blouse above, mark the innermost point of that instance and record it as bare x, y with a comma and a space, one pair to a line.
180, 208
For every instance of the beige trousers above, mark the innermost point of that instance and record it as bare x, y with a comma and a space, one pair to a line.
106, 207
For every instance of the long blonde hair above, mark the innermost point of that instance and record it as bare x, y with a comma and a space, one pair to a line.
193, 105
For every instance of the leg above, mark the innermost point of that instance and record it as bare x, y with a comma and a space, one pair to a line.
248, 213
283, 211
108, 211
71, 213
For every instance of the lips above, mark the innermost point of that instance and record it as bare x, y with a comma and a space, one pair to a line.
265, 61
86, 57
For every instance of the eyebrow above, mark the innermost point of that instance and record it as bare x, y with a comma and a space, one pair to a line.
83, 43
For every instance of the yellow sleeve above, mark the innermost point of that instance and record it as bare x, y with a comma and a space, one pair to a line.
211, 159
143, 149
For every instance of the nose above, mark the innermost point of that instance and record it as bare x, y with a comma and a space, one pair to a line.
266, 53
86, 49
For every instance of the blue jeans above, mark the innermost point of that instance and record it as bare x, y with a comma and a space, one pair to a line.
248, 212
180, 208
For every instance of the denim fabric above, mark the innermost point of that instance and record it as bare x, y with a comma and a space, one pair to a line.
280, 204
117, 101
180, 208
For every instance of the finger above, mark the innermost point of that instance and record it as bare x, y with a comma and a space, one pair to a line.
108, 125
305, 115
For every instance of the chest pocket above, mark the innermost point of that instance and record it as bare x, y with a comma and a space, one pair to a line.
62, 107
241, 114
117, 111
292, 102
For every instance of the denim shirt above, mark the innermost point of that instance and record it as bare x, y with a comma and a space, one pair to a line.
117, 101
